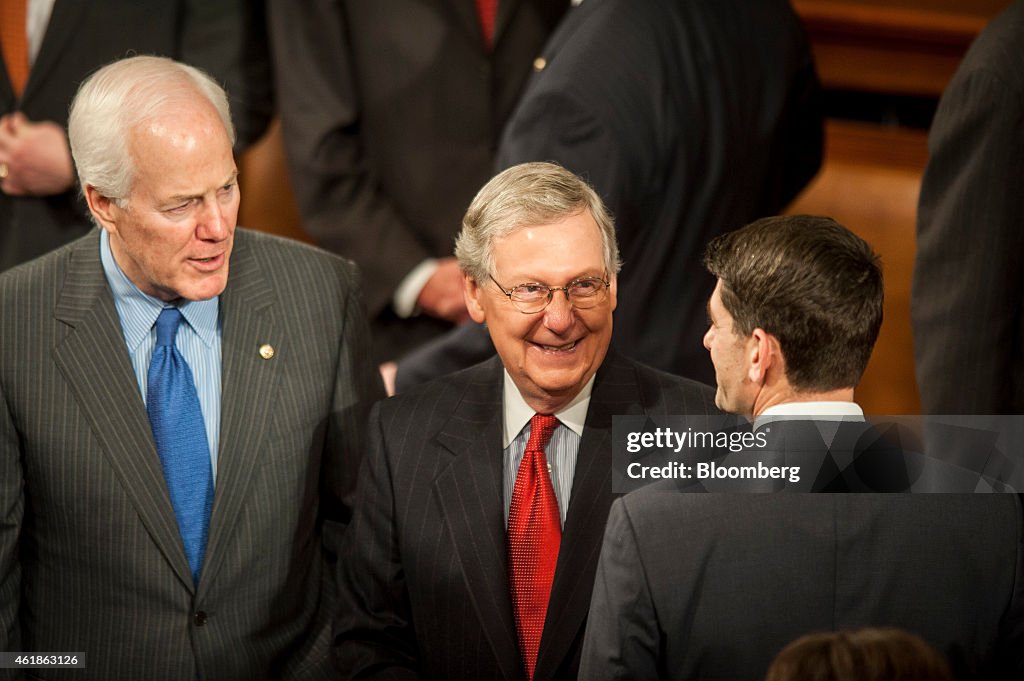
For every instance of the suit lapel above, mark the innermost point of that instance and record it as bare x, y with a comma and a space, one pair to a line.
506, 8
561, 35
64, 21
469, 491
94, 361
464, 17
615, 393
248, 382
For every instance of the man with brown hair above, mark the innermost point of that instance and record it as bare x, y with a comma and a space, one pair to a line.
793, 317
712, 586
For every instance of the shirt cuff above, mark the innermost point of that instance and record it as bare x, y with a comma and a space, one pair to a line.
404, 300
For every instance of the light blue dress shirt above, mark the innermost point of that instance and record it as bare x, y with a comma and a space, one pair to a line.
561, 451
198, 340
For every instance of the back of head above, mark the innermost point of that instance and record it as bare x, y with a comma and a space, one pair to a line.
810, 282
528, 194
120, 96
872, 654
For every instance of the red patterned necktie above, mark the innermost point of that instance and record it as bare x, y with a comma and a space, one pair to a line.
487, 12
534, 535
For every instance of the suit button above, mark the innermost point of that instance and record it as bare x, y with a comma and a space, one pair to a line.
199, 618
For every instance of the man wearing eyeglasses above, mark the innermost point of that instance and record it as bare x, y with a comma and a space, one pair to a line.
482, 505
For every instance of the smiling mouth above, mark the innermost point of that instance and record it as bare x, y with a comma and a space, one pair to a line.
557, 348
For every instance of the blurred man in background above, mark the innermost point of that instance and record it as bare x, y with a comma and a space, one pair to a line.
391, 113
690, 118
49, 47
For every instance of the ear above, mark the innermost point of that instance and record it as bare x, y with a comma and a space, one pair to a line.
473, 294
103, 208
763, 355
613, 290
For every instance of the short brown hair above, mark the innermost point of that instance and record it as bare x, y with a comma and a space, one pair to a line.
872, 654
811, 283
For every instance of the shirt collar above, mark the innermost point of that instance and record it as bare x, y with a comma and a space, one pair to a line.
820, 411
517, 413
138, 311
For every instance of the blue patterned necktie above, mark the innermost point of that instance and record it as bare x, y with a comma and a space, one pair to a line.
180, 436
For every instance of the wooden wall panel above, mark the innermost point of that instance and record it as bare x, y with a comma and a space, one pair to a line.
902, 47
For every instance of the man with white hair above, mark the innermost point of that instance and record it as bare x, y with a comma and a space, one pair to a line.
474, 542
181, 409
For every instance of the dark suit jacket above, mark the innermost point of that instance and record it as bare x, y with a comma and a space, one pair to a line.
224, 37
90, 555
713, 586
690, 118
425, 590
968, 292
391, 114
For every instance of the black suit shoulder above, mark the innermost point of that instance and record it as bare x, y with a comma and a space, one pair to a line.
998, 54
655, 392
673, 389
432, 404
712, 561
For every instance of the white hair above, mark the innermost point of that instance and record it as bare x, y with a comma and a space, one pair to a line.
528, 194
120, 96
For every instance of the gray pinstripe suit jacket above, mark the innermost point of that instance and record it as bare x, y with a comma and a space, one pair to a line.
90, 555
424, 587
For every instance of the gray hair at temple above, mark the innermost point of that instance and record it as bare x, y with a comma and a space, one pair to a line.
120, 96
523, 195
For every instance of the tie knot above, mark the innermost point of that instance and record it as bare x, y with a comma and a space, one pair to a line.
167, 326
541, 428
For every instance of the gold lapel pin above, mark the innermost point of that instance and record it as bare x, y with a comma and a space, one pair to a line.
266, 351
